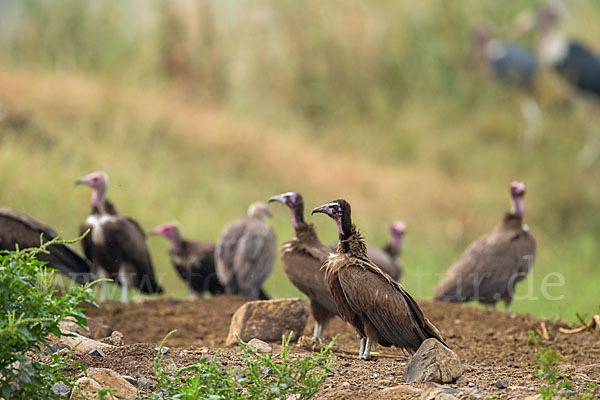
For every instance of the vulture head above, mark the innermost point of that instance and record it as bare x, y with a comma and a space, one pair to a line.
170, 230
517, 192
296, 204
339, 211
548, 17
259, 210
397, 230
98, 181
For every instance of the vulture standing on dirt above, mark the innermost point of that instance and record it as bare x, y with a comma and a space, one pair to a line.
194, 260
377, 306
302, 258
116, 244
491, 266
20, 229
245, 253
386, 258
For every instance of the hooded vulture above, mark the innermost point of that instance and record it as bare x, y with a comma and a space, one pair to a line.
194, 260
366, 297
491, 266
245, 253
386, 258
302, 258
116, 244
22, 230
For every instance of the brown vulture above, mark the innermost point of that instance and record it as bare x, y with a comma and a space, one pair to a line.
19, 229
302, 258
194, 260
387, 258
366, 297
491, 266
245, 253
116, 244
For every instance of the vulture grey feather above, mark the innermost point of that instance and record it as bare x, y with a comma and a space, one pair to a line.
193, 260
19, 229
302, 258
245, 253
491, 266
378, 307
116, 244
387, 258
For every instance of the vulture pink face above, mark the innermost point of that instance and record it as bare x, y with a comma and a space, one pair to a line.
289, 199
517, 189
334, 210
95, 180
168, 230
397, 228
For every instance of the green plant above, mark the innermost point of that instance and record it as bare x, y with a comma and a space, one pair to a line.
260, 376
31, 309
555, 385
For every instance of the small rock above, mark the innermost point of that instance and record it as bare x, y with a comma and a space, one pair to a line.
61, 389
163, 350
131, 380
97, 352
260, 346
81, 344
268, 320
143, 381
375, 375
433, 362
115, 339
109, 378
502, 384
87, 389
266, 371
346, 384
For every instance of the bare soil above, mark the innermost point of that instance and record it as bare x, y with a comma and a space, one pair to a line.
493, 346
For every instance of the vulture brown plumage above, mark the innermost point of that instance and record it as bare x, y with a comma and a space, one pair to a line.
193, 260
116, 244
302, 258
245, 253
491, 266
387, 258
366, 297
19, 229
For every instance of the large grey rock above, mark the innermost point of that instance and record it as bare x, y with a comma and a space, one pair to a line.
433, 362
81, 344
109, 378
268, 320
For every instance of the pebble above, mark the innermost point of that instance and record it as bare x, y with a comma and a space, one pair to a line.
97, 352
163, 350
502, 384
346, 384
131, 380
375, 375
142, 380
61, 389
260, 346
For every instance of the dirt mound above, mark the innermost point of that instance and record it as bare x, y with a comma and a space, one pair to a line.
493, 346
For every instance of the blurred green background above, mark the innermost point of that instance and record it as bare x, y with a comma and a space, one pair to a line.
197, 108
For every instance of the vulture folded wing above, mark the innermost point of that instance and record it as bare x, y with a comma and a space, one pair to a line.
127, 239
255, 255
225, 252
18, 228
387, 306
488, 268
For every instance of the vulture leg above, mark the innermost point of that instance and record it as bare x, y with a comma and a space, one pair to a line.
366, 354
507, 300
103, 291
124, 279
318, 332
362, 347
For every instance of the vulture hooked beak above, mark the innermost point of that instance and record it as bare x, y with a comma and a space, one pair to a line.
81, 181
325, 209
279, 198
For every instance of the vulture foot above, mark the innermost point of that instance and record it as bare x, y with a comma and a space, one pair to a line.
318, 332
365, 349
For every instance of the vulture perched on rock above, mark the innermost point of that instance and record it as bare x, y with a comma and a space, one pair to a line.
302, 258
20, 229
194, 260
366, 297
491, 266
386, 258
245, 253
116, 244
